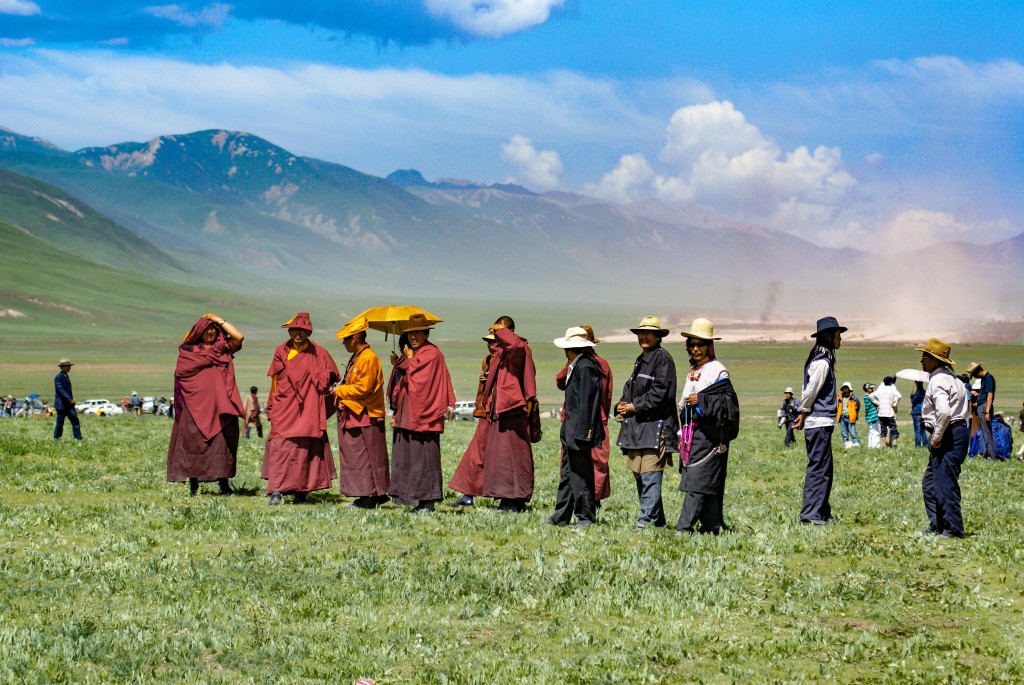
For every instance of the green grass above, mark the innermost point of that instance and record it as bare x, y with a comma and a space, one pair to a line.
112, 575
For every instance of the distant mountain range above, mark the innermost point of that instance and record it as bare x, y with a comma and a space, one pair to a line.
238, 207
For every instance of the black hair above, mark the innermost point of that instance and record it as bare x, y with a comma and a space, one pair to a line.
253, 389
824, 342
506, 321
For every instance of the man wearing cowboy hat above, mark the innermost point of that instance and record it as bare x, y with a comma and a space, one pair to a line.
944, 412
818, 419
650, 424
986, 396
363, 470
64, 402
787, 414
582, 431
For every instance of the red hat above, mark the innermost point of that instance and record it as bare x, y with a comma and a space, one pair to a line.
300, 320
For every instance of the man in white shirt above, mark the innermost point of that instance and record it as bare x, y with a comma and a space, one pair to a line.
887, 399
944, 413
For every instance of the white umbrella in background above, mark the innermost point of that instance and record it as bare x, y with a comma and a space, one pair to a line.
913, 375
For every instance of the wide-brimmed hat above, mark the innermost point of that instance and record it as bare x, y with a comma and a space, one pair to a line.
489, 337
64, 361
356, 325
846, 385
418, 322
575, 337
972, 367
829, 323
590, 333
789, 390
648, 324
700, 329
938, 349
300, 320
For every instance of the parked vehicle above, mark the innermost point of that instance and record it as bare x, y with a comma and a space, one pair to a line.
103, 408
464, 410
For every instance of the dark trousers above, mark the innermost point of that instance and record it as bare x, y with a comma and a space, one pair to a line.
259, 430
986, 432
648, 488
790, 437
575, 487
818, 478
941, 483
889, 429
58, 427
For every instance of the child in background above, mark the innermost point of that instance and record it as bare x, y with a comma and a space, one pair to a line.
871, 414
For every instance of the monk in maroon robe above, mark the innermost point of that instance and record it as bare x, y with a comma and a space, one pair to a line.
599, 455
423, 394
297, 457
207, 406
468, 478
511, 384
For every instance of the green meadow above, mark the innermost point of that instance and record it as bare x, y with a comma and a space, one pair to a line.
110, 574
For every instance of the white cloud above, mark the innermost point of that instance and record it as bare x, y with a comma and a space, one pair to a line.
115, 42
21, 8
16, 42
912, 229
538, 170
632, 179
713, 156
493, 17
213, 15
874, 159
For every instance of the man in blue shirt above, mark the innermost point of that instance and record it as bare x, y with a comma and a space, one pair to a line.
985, 399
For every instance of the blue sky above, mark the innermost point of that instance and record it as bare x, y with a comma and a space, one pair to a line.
881, 125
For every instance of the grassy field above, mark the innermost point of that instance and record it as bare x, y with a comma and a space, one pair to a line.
109, 574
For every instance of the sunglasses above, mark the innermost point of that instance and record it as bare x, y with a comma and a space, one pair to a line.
690, 342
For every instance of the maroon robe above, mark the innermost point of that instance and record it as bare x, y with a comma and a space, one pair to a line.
511, 383
599, 454
423, 392
297, 456
207, 406
469, 474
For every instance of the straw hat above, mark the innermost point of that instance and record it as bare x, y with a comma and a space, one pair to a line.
64, 361
300, 320
972, 367
940, 350
648, 323
700, 329
590, 333
356, 325
575, 338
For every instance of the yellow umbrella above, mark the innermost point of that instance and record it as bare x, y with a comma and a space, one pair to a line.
392, 318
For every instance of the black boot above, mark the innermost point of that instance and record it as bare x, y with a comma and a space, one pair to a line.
193, 487
225, 486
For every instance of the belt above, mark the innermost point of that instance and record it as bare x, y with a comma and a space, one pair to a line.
958, 422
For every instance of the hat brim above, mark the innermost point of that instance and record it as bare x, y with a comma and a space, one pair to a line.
567, 344
410, 329
942, 359
660, 331
691, 334
841, 329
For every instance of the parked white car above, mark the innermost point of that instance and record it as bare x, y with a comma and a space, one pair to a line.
464, 410
99, 408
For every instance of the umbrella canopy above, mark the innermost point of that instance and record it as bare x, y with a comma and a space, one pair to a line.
34, 396
394, 318
913, 375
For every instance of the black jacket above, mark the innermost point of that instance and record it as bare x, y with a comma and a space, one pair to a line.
583, 427
717, 426
651, 388
62, 397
